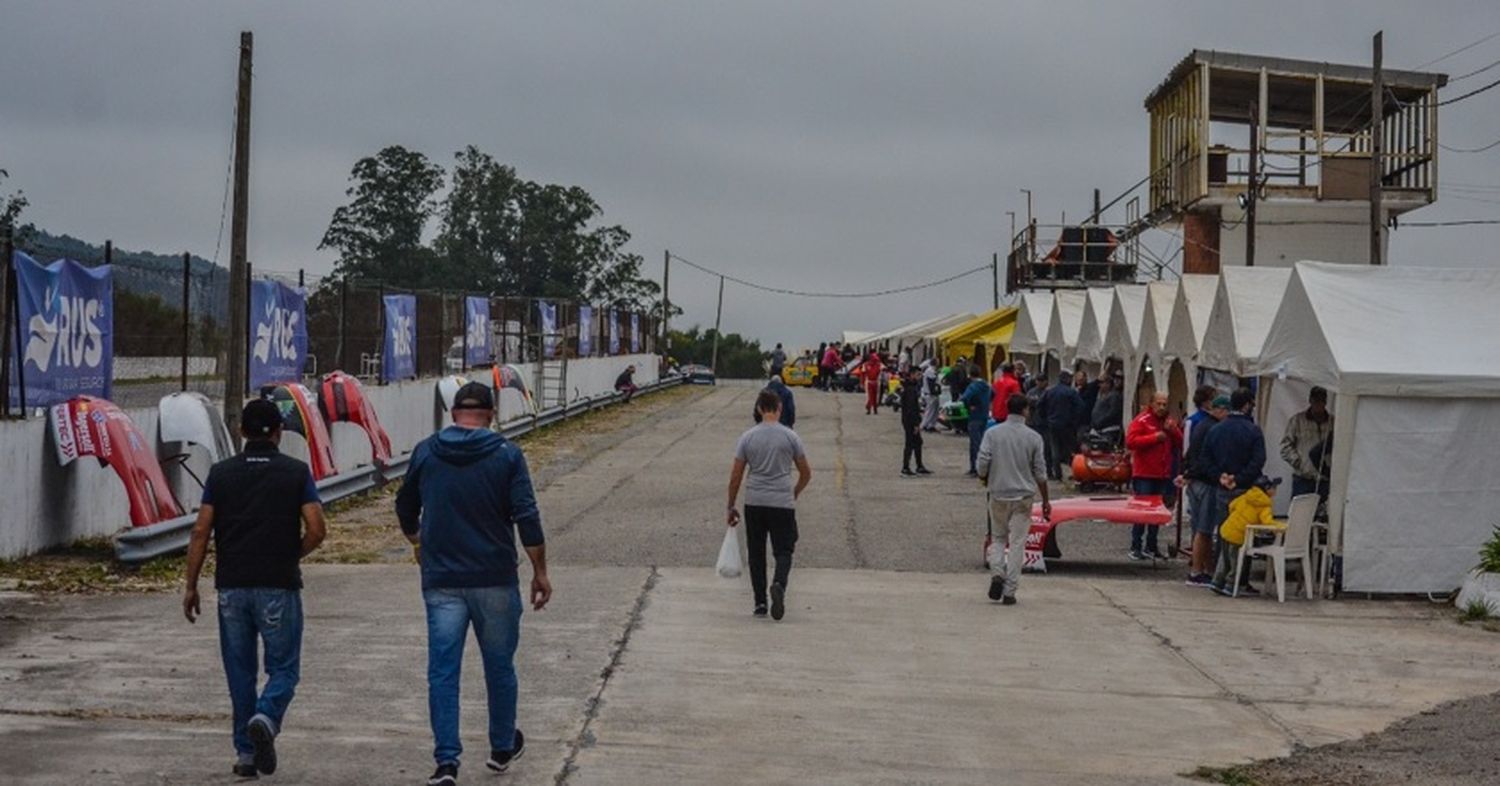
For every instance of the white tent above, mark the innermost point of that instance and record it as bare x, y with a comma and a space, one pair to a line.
1032, 321
1244, 306
1160, 297
1095, 320
1122, 339
855, 336
1063, 325
925, 341
1184, 336
913, 333
1411, 354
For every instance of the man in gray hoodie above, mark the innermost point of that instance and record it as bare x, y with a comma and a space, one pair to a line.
1013, 468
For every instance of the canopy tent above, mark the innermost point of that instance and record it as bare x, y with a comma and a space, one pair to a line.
1095, 319
1063, 325
1000, 338
1244, 306
1160, 297
1030, 337
916, 331
1185, 329
1410, 355
920, 339
855, 336
1122, 340
963, 339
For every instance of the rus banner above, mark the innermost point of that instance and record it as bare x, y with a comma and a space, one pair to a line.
548, 312
278, 333
398, 358
635, 333
614, 332
585, 331
67, 331
476, 331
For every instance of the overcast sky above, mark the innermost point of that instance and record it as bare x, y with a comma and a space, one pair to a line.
830, 146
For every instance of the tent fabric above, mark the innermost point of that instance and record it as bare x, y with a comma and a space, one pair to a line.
1030, 336
1161, 296
1195, 300
1389, 330
1244, 308
1064, 323
1127, 316
962, 338
1095, 320
855, 336
915, 331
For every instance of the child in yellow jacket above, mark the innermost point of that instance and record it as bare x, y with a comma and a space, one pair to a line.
1251, 508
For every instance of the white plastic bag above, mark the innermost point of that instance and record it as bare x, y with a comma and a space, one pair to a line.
729, 555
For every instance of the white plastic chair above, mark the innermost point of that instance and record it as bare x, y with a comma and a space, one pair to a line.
1293, 542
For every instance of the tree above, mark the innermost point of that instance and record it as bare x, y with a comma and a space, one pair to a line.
738, 358
10, 214
379, 233
480, 214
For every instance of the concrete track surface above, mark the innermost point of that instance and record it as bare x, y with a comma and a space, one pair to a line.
891, 666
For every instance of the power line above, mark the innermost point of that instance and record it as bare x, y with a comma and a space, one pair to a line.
1493, 144
1475, 72
1460, 50
802, 293
1469, 94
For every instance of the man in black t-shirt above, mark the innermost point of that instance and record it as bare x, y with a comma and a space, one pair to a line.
254, 506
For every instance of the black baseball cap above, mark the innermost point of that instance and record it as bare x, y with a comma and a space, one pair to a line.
260, 418
473, 395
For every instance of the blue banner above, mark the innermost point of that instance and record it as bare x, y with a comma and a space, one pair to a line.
614, 332
278, 333
585, 331
67, 331
398, 356
548, 312
635, 333
477, 331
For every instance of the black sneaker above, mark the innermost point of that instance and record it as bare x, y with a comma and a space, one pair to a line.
760, 609
444, 775
1008, 600
923, 471
778, 600
906, 471
263, 737
500, 761
245, 771
997, 587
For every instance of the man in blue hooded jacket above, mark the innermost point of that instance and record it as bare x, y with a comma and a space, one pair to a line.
467, 493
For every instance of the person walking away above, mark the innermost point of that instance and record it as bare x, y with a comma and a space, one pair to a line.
778, 360
957, 379
1306, 431
1199, 483
1154, 441
912, 394
976, 398
1037, 420
625, 383
764, 458
1012, 467
1062, 408
788, 404
1234, 452
1006, 385
262, 510
869, 373
1250, 508
466, 497
931, 396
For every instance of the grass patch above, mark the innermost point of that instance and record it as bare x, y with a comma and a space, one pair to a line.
88, 567
1476, 610
1229, 776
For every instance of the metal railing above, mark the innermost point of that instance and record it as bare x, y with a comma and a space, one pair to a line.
139, 544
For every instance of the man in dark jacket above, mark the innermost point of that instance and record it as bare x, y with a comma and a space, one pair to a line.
1234, 453
1109, 409
911, 422
788, 404
957, 379
976, 398
1201, 485
467, 493
1062, 409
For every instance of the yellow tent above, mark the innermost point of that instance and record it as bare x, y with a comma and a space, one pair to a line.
977, 338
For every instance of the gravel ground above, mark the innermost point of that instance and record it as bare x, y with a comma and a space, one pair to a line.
1453, 744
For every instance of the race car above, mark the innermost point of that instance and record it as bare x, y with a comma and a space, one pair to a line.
800, 372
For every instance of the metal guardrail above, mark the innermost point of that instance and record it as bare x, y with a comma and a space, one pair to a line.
139, 544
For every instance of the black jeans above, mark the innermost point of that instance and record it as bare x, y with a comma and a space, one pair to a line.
781, 525
1064, 444
913, 446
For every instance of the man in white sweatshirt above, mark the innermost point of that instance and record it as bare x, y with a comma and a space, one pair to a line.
1012, 465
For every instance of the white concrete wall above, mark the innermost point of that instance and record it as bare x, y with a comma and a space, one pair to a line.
1288, 233
43, 505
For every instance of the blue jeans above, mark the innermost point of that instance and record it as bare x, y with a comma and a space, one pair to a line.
978, 423
496, 615
274, 616
1161, 487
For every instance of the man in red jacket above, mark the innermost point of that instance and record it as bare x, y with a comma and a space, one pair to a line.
870, 371
1006, 385
1154, 441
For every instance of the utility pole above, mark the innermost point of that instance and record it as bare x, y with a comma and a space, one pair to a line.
995, 277
1252, 193
1097, 211
713, 363
7, 248
1377, 153
187, 319
239, 280
109, 252
666, 305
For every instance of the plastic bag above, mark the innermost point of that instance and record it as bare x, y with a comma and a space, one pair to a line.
729, 555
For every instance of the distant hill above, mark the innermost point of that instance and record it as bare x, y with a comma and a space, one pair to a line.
144, 272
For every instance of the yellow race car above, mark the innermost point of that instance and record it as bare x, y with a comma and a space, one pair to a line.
800, 372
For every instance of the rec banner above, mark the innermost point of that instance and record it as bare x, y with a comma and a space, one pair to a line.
548, 312
635, 333
476, 330
278, 333
398, 358
585, 331
614, 332
67, 331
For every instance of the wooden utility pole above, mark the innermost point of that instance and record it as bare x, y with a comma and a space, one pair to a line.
666, 305
995, 277
187, 319
1377, 154
1095, 218
239, 280
713, 363
7, 248
1252, 191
